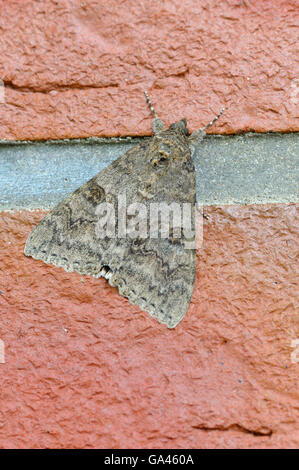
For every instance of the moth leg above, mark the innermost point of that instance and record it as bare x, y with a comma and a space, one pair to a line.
158, 124
106, 272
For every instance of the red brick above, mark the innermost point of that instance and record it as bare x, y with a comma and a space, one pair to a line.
84, 368
78, 69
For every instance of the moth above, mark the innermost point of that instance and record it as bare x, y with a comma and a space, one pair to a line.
126, 223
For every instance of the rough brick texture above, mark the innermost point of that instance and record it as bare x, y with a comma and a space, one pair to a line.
78, 68
84, 368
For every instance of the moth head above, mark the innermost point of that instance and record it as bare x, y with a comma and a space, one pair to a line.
180, 126
169, 146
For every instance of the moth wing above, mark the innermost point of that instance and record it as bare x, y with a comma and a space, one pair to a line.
156, 274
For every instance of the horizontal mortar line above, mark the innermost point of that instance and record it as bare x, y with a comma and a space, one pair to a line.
79, 140
237, 169
131, 138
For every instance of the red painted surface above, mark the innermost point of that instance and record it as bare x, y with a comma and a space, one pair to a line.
79, 68
84, 368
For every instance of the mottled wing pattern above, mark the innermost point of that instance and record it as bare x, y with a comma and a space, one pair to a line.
156, 274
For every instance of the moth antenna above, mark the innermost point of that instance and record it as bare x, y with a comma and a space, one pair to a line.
150, 104
213, 120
